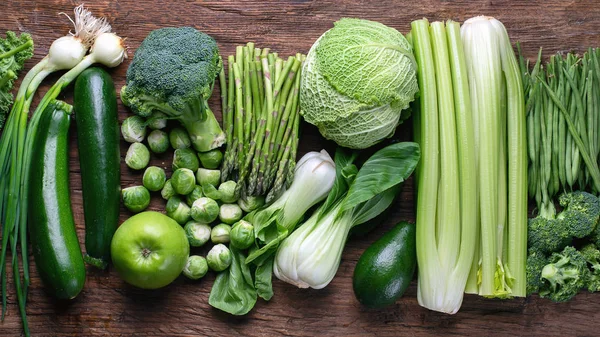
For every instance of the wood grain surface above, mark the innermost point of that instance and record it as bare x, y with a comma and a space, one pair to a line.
109, 307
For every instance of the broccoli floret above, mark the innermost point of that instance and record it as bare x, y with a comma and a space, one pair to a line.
591, 254
173, 71
548, 234
535, 263
564, 276
14, 51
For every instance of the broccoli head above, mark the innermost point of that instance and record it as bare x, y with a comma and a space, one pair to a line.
173, 72
578, 219
564, 275
535, 263
592, 255
14, 51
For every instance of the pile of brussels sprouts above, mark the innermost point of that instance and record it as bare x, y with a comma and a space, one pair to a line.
208, 209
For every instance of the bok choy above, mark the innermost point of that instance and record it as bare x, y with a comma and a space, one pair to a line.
311, 255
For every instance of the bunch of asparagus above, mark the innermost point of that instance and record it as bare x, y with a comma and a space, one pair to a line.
563, 120
261, 118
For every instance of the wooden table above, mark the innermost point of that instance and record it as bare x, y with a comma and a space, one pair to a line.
107, 306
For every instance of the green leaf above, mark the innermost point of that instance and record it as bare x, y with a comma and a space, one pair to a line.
263, 279
385, 169
233, 290
374, 206
345, 173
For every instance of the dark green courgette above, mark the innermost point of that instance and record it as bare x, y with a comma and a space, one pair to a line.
385, 269
95, 104
51, 226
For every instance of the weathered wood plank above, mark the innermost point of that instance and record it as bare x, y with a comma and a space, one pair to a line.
108, 306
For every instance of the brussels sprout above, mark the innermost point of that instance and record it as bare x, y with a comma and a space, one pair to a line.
230, 213
167, 191
242, 235
251, 203
185, 158
136, 198
194, 195
179, 138
211, 191
137, 156
195, 268
158, 141
205, 210
220, 233
211, 159
219, 257
227, 190
208, 177
134, 129
178, 210
157, 121
197, 233
183, 181
154, 178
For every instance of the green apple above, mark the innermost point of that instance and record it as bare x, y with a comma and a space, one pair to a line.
149, 250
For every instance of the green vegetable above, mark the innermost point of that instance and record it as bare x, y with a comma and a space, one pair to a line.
211, 159
227, 190
183, 181
548, 233
167, 191
154, 178
158, 141
95, 101
230, 213
498, 102
136, 198
384, 271
195, 268
251, 203
444, 260
233, 290
137, 156
194, 195
564, 276
157, 121
311, 255
158, 79
133, 129
219, 257
536, 261
185, 158
178, 210
220, 233
197, 233
179, 139
14, 51
53, 238
357, 79
205, 210
242, 235
591, 254
313, 179
208, 177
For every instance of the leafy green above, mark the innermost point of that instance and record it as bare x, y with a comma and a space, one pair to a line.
263, 279
233, 290
356, 80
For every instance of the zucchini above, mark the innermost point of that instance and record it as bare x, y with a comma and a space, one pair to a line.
385, 269
52, 229
95, 103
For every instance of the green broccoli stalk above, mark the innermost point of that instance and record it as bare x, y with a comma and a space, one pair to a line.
564, 276
173, 72
591, 254
548, 234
